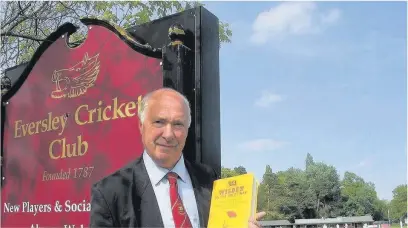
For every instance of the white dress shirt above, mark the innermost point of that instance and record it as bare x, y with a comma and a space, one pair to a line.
161, 189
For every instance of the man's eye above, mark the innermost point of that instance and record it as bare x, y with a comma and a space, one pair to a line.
179, 124
158, 122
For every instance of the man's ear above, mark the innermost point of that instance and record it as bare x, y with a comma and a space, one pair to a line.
140, 127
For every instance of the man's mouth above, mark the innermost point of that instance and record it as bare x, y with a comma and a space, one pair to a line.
164, 145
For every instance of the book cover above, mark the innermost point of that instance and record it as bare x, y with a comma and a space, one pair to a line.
233, 201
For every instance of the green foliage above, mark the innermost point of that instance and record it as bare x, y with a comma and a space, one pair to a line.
325, 184
381, 210
26, 24
309, 160
359, 197
225, 32
398, 204
226, 172
240, 170
317, 192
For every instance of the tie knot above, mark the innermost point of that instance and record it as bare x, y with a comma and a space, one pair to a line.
172, 177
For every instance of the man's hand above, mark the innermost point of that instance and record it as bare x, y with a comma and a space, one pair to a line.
254, 221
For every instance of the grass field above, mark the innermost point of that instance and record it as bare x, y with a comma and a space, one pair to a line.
395, 225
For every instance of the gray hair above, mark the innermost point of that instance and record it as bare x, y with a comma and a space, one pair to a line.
145, 101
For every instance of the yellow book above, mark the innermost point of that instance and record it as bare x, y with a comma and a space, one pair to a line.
233, 201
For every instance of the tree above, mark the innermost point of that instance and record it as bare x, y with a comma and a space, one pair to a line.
240, 170
381, 210
398, 204
268, 192
325, 184
285, 195
227, 172
297, 199
309, 160
26, 24
359, 197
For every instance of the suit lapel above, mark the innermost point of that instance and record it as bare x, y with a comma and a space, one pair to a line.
146, 207
202, 195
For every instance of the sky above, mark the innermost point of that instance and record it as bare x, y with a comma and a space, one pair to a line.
325, 78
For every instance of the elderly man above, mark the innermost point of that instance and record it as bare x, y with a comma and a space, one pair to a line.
159, 189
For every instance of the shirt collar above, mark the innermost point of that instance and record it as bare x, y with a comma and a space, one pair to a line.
157, 173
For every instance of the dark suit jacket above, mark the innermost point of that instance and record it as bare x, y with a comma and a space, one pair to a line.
126, 198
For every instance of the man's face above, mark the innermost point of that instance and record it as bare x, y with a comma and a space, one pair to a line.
165, 128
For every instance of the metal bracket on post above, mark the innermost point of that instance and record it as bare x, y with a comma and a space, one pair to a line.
175, 58
5, 85
178, 74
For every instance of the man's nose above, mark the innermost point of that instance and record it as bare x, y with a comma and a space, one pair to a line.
168, 133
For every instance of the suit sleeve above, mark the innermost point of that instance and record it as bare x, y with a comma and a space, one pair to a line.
101, 215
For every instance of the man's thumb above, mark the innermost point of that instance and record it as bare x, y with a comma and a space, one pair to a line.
260, 215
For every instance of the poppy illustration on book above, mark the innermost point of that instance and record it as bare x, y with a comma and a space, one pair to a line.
230, 214
70, 121
235, 199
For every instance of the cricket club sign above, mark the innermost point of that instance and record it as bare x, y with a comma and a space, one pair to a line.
72, 122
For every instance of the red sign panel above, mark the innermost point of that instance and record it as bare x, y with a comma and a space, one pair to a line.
72, 122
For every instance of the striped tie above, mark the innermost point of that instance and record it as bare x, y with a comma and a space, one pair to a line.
180, 216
